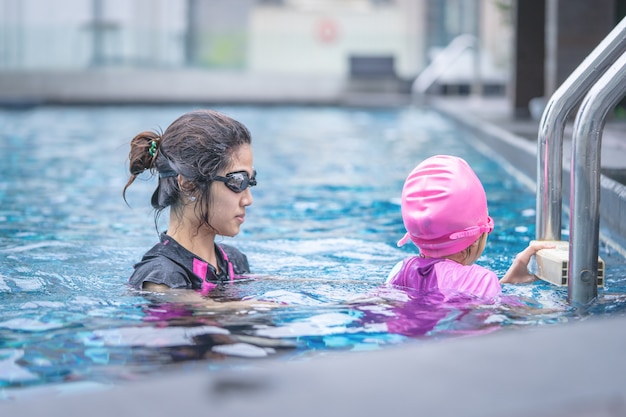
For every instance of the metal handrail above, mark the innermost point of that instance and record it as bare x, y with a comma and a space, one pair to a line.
585, 182
552, 125
441, 63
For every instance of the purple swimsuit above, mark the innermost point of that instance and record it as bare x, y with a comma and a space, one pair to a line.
439, 274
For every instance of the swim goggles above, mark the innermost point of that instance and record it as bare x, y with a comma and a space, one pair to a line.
473, 230
238, 181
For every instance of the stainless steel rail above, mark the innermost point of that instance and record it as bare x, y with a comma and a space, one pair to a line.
441, 63
552, 125
585, 182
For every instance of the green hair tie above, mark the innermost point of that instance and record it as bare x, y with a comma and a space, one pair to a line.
153, 148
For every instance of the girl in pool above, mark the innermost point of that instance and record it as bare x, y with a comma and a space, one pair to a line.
444, 210
204, 164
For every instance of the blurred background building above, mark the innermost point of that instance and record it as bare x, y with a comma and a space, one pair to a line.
331, 51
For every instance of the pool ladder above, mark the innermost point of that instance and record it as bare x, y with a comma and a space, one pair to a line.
601, 79
442, 62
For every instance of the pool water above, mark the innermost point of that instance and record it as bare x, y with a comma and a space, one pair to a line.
320, 237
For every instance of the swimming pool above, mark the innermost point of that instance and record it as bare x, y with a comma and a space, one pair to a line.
320, 237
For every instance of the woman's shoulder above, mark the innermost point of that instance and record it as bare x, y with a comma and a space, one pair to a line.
159, 270
237, 258
163, 264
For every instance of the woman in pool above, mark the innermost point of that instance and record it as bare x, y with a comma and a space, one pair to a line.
204, 164
444, 210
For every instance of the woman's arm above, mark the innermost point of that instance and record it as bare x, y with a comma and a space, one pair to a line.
152, 287
187, 295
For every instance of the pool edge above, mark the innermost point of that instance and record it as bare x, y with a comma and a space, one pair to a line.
571, 369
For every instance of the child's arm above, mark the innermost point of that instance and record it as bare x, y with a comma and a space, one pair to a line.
518, 271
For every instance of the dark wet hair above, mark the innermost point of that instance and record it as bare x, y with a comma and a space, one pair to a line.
198, 145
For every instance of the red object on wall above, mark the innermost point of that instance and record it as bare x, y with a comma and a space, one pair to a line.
327, 30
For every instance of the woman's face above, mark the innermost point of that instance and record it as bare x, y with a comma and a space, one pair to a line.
228, 208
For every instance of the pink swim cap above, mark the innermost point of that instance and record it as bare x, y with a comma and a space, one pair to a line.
444, 206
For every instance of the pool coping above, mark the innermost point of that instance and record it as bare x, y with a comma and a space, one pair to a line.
571, 369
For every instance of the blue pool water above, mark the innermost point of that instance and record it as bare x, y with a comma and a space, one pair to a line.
320, 238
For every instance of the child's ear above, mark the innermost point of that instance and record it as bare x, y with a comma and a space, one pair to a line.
476, 243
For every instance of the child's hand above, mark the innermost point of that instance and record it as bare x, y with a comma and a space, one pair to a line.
518, 272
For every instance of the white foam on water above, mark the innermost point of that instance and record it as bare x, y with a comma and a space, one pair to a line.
46, 304
4, 287
318, 325
24, 284
29, 325
28, 284
149, 336
288, 297
10, 371
24, 248
243, 349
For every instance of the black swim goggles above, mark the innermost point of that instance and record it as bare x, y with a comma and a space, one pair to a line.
238, 181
